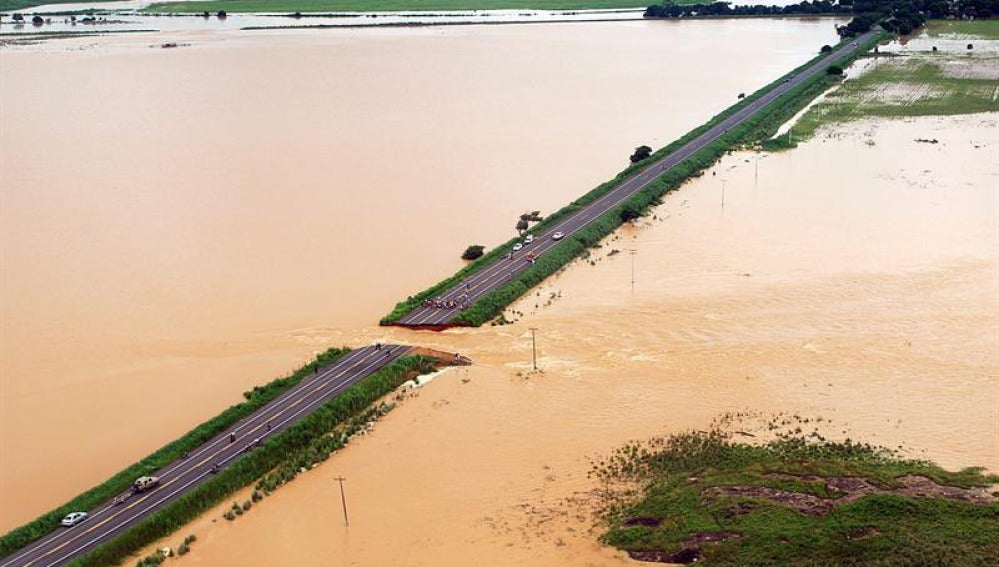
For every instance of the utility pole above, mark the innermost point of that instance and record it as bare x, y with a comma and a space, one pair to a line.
756, 170
632, 252
534, 346
343, 500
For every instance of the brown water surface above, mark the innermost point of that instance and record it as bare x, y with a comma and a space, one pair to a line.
178, 225
853, 279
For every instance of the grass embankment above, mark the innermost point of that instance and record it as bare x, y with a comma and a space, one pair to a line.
795, 502
917, 84
292, 445
332, 6
256, 398
761, 126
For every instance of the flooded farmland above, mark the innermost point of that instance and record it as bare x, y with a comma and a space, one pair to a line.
860, 290
179, 225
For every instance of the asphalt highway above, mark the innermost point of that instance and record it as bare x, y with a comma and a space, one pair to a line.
506, 269
109, 520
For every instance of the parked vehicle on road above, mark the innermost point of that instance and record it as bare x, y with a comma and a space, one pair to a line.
529, 239
558, 235
145, 483
517, 246
74, 518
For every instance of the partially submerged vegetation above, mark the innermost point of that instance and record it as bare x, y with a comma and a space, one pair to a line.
13, 5
908, 86
930, 83
964, 29
799, 499
292, 444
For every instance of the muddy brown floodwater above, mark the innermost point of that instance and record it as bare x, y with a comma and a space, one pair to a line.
852, 279
179, 225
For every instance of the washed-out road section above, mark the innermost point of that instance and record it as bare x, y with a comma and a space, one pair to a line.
109, 519
508, 267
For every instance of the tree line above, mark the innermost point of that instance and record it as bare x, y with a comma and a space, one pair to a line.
898, 16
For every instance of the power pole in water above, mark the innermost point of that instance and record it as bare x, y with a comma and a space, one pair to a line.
723, 192
632, 252
756, 170
534, 347
343, 500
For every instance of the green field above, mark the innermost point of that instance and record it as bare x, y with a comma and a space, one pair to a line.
916, 85
332, 6
794, 501
974, 29
15, 5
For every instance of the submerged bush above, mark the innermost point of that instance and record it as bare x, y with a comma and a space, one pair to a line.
473, 252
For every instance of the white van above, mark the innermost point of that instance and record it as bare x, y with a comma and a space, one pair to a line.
145, 483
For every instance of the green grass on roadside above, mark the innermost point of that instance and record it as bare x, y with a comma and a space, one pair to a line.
960, 29
332, 6
256, 398
915, 85
686, 490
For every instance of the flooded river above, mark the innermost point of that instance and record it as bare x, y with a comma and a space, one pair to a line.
179, 225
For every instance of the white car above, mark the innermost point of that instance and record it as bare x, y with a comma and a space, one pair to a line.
557, 236
529, 239
74, 518
517, 246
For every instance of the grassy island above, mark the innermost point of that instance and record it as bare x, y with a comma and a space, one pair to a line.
796, 500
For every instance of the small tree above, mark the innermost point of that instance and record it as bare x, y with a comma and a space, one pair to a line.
835, 70
473, 252
641, 152
826, 49
522, 225
630, 212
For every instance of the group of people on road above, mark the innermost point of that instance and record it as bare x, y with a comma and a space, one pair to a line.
460, 303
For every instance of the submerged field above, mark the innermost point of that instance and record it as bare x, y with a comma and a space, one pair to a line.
975, 29
797, 500
391, 5
951, 68
918, 85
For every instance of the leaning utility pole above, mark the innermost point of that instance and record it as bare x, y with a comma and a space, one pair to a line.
343, 500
